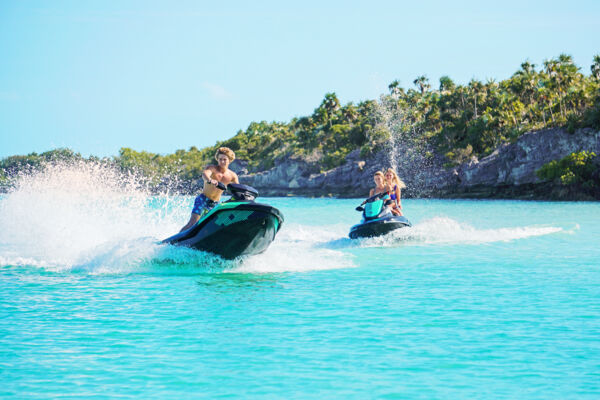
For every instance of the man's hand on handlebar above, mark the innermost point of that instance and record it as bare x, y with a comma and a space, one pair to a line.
217, 184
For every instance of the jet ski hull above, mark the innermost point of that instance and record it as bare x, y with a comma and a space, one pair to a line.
378, 227
232, 229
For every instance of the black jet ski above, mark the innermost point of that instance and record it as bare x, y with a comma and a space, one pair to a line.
236, 227
377, 218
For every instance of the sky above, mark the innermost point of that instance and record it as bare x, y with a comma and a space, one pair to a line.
95, 76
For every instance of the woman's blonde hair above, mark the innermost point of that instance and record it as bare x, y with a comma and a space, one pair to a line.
395, 179
227, 151
379, 173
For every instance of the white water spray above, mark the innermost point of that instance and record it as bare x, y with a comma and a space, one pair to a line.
407, 148
69, 214
93, 218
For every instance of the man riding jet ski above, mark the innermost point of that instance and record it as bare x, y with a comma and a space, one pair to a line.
237, 227
377, 218
231, 229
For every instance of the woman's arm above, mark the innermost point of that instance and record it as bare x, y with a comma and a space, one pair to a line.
398, 197
371, 192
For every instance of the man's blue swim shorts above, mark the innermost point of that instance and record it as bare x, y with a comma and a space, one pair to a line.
203, 204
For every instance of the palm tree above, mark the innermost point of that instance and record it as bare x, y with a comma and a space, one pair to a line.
395, 88
326, 111
350, 112
422, 82
595, 67
552, 68
446, 84
545, 95
525, 83
562, 73
476, 86
331, 102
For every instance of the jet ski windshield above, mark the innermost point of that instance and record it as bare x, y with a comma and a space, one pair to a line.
375, 206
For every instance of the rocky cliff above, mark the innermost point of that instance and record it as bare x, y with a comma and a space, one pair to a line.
509, 172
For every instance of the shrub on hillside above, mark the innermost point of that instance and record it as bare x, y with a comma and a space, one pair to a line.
576, 168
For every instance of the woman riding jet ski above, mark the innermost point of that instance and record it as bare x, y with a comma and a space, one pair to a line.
377, 218
237, 227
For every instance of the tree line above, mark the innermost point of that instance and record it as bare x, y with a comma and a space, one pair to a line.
459, 121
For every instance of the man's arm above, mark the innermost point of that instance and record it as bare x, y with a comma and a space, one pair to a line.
206, 176
235, 178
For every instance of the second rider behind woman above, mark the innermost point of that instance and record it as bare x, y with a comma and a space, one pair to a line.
390, 184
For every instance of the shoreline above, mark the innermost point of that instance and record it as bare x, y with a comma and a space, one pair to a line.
510, 172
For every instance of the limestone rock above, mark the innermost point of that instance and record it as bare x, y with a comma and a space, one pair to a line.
510, 171
517, 163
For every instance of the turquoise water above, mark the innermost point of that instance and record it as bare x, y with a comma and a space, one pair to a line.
480, 299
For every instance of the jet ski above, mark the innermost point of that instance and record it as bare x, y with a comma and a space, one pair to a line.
377, 218
236, 227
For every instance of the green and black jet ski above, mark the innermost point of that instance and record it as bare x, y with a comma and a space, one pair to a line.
236, 227
377, 218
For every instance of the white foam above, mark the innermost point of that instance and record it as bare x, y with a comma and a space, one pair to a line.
299, 248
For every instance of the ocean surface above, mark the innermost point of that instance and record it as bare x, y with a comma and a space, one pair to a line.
479, 299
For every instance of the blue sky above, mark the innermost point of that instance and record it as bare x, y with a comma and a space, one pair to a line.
96, 76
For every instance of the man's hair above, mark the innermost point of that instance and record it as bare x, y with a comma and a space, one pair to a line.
227, 151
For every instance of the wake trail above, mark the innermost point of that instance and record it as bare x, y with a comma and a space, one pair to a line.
444, 230
299, 248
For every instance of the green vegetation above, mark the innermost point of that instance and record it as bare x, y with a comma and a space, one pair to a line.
574, 169
329, 134
478, 117
15, 165
458, 121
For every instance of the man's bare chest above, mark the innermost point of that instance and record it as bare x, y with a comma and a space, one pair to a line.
221, 176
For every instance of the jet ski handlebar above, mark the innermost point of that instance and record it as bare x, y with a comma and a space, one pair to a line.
372, 198
239, 192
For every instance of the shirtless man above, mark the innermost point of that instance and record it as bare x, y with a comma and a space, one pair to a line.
212, 175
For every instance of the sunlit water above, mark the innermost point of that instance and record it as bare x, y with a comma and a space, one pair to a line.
480, 299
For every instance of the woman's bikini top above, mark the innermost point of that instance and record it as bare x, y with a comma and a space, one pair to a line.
393, 194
